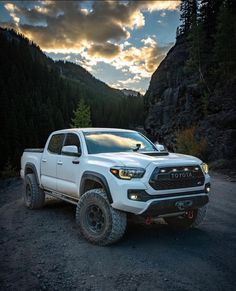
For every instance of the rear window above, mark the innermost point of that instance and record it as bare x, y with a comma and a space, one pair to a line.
55, 143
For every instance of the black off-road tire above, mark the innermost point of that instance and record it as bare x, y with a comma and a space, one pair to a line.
182, 222
113, 222
34, 196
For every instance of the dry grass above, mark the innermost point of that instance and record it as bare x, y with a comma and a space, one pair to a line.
186, 143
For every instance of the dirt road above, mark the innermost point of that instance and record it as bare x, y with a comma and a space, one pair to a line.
42, 249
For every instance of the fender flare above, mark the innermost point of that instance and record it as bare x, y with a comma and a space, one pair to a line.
89, 175
33, 168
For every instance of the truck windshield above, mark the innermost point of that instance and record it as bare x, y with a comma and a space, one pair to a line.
110, 142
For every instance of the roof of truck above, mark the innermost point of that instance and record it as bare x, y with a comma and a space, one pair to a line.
91, 129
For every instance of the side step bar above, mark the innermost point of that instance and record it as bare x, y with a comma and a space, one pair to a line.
62, 197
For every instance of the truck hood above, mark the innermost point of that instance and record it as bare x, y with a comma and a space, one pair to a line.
134, 159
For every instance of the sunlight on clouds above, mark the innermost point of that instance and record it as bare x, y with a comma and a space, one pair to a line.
161, 5
141, 61
138, 20
101, 32
41, 9
12, 9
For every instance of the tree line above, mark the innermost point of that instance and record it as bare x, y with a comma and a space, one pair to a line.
209, 26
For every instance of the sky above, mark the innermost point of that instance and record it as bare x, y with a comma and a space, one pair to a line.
120, 42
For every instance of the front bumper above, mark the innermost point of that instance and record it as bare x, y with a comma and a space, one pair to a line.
173, 205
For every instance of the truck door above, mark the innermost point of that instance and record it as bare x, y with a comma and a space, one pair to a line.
50, 158
69, 168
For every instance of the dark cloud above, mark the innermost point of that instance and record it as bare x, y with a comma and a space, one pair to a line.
69, 24
107, 50
65, 24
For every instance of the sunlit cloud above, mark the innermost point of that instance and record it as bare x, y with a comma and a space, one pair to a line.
141, 61
70, 23
100, 32
161, 5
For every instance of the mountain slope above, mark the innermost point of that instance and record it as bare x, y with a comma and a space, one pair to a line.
78, 74
39, 95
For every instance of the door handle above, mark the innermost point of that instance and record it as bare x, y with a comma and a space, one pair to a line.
44, 160
76, 162
59, 163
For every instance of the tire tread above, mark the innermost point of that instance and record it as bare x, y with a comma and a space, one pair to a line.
37, 194
118, 219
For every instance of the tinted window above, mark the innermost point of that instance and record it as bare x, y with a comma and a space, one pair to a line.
55, 143
107, 142
72, 139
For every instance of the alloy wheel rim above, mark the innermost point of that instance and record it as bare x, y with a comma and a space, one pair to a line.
95, 219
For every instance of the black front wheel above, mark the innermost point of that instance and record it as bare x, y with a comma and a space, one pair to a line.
98, 222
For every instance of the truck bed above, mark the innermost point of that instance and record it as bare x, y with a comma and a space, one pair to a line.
39, 150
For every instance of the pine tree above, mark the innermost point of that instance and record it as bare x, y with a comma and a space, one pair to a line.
225, 38
82, 116
188, 15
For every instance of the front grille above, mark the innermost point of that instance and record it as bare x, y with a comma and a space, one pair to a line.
176, 177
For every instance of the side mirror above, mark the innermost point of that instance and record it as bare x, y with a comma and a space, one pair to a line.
71, 150
160, 147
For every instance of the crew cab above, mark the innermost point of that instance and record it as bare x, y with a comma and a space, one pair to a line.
111, 174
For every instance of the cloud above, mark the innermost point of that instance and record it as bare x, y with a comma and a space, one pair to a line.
98, 32
73, 26
142, 61
161, 5
106, 50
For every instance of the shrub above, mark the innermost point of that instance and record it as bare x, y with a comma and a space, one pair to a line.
9, 171
186, 143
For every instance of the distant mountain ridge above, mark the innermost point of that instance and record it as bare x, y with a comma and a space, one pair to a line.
129, 92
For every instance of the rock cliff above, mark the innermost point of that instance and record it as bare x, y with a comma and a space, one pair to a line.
176, 100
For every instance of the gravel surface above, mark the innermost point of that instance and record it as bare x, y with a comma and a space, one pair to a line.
42, 249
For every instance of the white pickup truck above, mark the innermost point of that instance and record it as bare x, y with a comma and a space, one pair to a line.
112, 173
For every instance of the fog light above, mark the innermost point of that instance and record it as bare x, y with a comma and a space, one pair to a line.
138, 195
133, 196
208, 188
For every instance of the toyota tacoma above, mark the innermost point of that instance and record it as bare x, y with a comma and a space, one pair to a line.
112, 174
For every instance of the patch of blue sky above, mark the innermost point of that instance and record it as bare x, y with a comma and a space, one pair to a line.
163, 32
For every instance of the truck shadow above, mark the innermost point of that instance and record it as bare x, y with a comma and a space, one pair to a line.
137, 234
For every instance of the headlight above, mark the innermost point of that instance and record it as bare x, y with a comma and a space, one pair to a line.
204, 167
127, 173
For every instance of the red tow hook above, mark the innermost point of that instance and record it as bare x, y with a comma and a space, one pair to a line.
148, 220
190, 214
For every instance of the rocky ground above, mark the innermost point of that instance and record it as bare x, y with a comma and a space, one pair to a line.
42, 250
